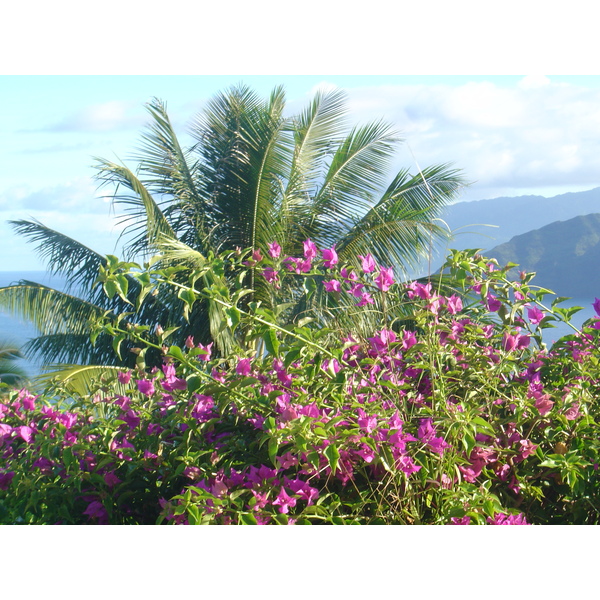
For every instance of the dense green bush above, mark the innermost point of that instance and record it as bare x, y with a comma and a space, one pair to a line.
452, 411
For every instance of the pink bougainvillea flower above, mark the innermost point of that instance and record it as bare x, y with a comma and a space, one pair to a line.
414, 288
330, 257
5, 430
544, 404
492, 303
454, 304
5, 479
274, 250
382, 339
535, 315
502, 519
407, 465
145, 386
368, 263
205, 353
348, 275
122, 402
171, 381
203, 408
111, 479
385, 278
25, 433
466, 520
365, 298
272, 276
124, 377
366, 453
96, 510
28, 400
310, 250
243, 368
332, 286
426, 434
573, 412
596, 305
287, 460
515, 341
356, 290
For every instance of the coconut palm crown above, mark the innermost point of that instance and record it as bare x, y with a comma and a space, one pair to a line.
251, 176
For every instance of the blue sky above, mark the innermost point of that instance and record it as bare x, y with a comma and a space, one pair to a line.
510, 135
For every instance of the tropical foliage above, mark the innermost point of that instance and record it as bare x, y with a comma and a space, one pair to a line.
251, 176
11, 372
459, 414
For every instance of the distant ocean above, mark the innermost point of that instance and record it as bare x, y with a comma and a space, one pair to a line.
14, 330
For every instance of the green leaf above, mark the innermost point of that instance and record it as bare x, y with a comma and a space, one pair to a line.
333, 456
176, 352
271, 342
234, 317
248, 519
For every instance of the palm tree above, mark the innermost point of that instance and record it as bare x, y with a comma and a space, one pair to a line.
252, 176
11, 373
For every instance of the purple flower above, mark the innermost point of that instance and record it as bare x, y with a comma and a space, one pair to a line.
466, 520
368, 263
573, 412
257, 256
310, 250
365, 298
111, 479
272, 276
544, 404
243, 367
206, 352
145, 386
25, 432
332, 286
514, 342
5, 431
381, 341
124, 377
418, 289
5, 479
330, 257
274, 250
355, 290
385, 279
454, 304
284, 501
535, 315
28, 400
596, 306
502, 519
96, 510
492, 303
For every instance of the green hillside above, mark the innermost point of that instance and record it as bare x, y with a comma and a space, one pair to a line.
564, 254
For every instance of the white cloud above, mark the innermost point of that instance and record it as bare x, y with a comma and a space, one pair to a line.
538, 133
533, 81
109, 116
76, 196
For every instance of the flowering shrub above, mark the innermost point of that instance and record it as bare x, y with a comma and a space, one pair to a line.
452, 411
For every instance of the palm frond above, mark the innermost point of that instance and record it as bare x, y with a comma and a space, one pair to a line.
354, 179
145, 220
49, 310
401, 228
168, 173
64, 256
82, 379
